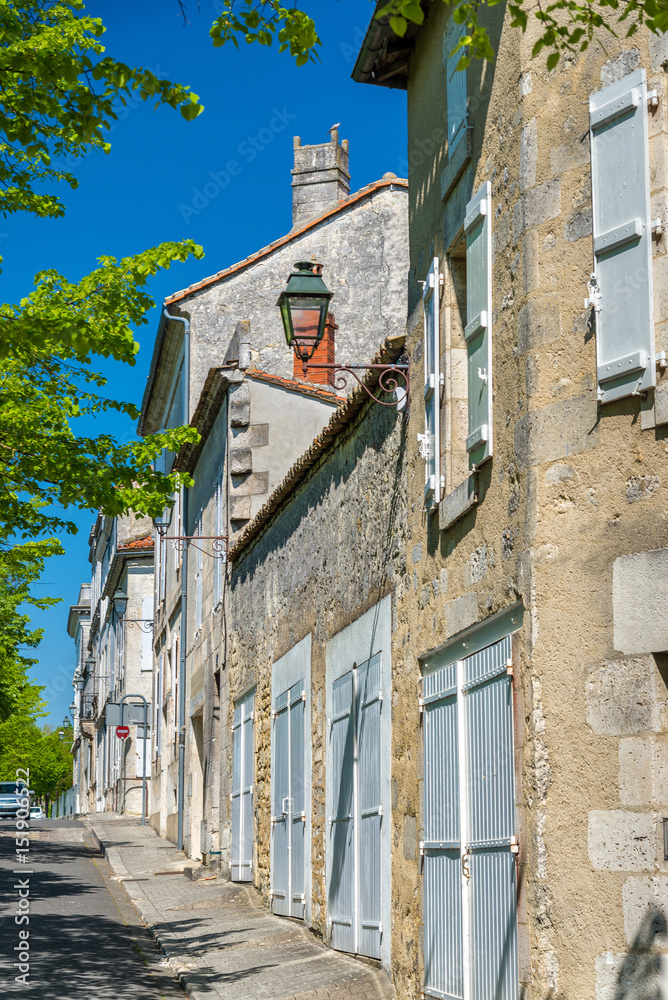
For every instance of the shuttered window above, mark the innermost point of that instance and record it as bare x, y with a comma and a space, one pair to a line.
456, 85
355, 894
198, 574
241, 855
218, 564
478, 331
430, 448
147, 632
469, 848
621, 287
288, 809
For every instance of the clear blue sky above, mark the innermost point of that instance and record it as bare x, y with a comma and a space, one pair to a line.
146, 191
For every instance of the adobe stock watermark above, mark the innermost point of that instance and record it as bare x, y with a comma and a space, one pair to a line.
248, 150
22, 885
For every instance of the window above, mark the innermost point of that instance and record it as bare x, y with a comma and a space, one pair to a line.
430, 447
198, 575
478, 330
621, 286
457, 102
176, 521
469, 848
219, 529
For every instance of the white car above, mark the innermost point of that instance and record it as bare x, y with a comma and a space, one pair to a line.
36, 812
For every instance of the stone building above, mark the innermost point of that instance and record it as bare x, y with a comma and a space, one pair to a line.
115, 660
83, 777
529, 720
220, 362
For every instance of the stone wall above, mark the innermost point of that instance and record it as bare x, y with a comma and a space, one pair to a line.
563, 518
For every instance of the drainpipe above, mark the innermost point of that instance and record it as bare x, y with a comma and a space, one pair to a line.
184, 587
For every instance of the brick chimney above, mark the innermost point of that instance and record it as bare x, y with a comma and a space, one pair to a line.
320, 178
323, 354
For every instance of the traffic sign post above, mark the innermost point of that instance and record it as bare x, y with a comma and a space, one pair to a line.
122, 732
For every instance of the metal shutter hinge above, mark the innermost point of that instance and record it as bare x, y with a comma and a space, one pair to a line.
594, 298
303, 695
652, 99
661, 360
514, 846
657, 228
509, 668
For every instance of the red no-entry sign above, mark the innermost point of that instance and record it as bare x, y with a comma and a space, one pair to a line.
122, 732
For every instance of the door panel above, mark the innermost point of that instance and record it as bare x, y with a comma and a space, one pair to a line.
298, 804
369, 705
341, 888
279, 818
241, 855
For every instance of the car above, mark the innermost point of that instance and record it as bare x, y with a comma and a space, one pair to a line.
12, 798
36, 812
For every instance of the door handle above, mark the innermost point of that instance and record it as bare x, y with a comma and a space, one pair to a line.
466, 865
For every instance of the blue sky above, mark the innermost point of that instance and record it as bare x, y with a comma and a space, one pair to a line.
157, 184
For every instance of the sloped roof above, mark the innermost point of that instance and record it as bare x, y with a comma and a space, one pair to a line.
297, 385
341, 206
389, 353
146, 542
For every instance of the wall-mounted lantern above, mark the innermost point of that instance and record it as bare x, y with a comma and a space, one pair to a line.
120, 602
304, 306
180, 542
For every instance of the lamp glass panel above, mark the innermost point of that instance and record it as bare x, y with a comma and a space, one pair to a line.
306, 317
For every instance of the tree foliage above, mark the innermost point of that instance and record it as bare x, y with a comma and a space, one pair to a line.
39, 749
566, 26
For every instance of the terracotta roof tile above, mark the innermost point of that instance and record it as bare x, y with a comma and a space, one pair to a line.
146, 542
340, 207
296, 385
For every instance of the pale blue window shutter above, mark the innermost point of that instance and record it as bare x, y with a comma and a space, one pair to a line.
198, 575
455, 84
443, 947
241, 853
478, 331
298, 804
341, 903
621, 289
280, 809
147, 632
430, 448
218, 565
491, 843
370, 703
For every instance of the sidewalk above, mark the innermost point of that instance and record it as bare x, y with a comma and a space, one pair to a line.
219, 938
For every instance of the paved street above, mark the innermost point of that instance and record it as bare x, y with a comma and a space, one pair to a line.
218, 935
86, 940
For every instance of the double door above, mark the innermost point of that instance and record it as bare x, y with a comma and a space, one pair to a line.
288, 821
354, 836
241, 854
469, 849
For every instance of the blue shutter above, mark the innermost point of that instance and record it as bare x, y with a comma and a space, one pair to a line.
491, 823
341, 905
241, 855
455, 85
297, 802
443, 948
280, 866
430, 447
369, 810
478, 331
621, 289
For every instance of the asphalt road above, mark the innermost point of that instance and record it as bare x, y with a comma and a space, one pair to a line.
86, 940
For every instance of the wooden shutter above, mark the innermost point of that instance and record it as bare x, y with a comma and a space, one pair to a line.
455, 84
478, 331
369, 809
430, 447
298, 804
470, 889
621, 287
341, 903
147, 632
280, 819
241, 854
443, 948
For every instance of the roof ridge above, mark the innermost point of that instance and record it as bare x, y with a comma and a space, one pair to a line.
283, 240
299, 385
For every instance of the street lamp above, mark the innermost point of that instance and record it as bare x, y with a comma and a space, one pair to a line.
162, 522
66, 722
120, 602
79, 682
304, 306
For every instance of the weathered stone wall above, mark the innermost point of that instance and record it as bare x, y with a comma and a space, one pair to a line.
572, 489
326, 557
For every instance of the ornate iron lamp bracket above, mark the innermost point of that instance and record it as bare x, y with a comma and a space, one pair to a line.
391, 378
145, 624
219, 544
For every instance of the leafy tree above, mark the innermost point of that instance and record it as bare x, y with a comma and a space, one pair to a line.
23, 744
20, 566
567, 26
